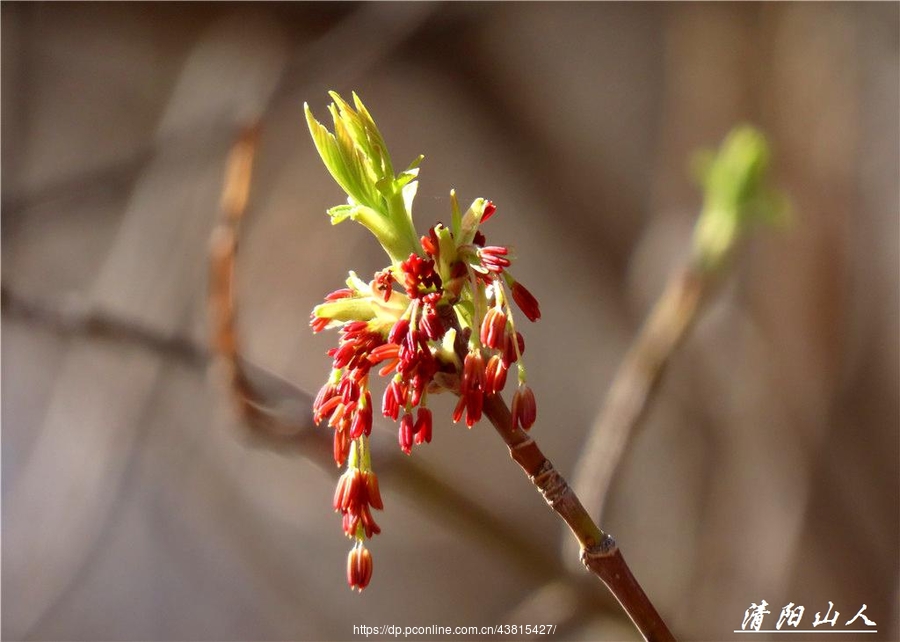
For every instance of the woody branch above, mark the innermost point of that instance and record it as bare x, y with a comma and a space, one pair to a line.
599, 552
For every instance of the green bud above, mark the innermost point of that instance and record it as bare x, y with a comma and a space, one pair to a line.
356, 156
735, 194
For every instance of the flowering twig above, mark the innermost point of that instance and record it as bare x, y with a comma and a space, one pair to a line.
278, 414
736, 197
450, 328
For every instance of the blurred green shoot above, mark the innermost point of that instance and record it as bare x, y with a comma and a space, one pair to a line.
736, 195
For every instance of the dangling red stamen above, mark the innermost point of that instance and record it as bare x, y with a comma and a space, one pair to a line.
526, 301
489, 209
405, 434
524, 408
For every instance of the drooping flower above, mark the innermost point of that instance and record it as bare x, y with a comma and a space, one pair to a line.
359, 567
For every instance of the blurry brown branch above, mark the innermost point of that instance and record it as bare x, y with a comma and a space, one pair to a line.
248, 401
635, 382
74, 319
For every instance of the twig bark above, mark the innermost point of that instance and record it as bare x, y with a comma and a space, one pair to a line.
599, 552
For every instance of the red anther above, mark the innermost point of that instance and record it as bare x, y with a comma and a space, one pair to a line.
524, 408
362, 420
341, 414
526, 301
350, 493
489, 209
430, 247
340, 491
473, 371
495, 375
423, 426
493, 329
405, 434
354, 327
318, 323
416, 390
368, 522
349, 390
341, 446
384, 282
367, 410
359, 568
418, 272
382, 352
393, 399
389, 368
372, 491
493, 258
326, 393
344, 354
510, 355
460, 407
471, 389
412, 339
343, 293
327, 408
349, 522
474, 403
432, 325
398, 331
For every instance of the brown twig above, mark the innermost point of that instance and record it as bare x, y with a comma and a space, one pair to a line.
599, 552
250, 403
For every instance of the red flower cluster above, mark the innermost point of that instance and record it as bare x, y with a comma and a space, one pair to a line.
345, 398
359, 567
406, 330
355, 493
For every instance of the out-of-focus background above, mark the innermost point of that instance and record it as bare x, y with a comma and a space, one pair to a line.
136, 507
